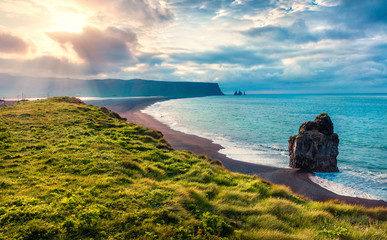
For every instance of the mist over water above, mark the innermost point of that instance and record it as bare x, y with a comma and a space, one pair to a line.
256, 128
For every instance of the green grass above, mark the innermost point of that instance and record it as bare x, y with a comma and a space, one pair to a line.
73, 171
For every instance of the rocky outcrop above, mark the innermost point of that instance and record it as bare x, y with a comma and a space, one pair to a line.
238, 93
315, 147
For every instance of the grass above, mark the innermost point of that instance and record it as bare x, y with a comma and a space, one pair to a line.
74, 171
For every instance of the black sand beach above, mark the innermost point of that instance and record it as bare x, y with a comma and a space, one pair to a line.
297, 180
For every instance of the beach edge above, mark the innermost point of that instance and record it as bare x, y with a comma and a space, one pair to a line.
296, 179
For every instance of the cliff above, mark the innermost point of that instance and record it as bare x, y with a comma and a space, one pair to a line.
12, 86
139, 87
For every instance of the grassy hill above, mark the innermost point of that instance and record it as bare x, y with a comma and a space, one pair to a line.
74, 171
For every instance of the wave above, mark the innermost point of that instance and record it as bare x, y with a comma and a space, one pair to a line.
204, 117
341, 189
270, 155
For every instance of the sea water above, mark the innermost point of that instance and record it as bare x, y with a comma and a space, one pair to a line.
256, 128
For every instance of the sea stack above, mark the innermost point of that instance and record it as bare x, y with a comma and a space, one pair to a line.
315, 147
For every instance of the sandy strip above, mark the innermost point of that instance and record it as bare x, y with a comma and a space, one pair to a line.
297, 180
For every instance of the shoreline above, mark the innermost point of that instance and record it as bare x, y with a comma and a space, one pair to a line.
296, 179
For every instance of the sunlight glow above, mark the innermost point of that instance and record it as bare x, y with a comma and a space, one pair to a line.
68, 22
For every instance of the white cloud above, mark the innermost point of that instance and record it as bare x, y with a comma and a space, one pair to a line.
136, 12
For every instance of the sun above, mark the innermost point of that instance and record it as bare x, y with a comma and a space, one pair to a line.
68, 21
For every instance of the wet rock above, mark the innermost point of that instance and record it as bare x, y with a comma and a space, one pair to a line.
315, 147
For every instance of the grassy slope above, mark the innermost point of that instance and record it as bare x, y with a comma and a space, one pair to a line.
69, 170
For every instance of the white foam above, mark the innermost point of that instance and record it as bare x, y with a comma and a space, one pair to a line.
340, 189
235, 150
251, 154
271, 155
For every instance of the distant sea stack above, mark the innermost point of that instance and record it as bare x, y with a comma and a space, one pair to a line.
12, 86
238, 93
315, 147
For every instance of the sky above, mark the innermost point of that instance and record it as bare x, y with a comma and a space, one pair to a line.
261, 46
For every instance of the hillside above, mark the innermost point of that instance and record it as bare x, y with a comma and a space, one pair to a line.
75, 171
12, 86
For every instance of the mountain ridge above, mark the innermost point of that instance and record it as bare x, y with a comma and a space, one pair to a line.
12, 86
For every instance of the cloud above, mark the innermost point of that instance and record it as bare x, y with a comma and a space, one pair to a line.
140, 11
103, 50
272, 32
150, 59
229, 5
224, 55
363, 12
357, 18
300, 33
316, 45
12, 44
43, 66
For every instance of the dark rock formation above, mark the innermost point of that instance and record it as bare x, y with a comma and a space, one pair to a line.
315, 147
238, 93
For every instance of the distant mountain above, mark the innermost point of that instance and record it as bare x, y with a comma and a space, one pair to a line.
13, 86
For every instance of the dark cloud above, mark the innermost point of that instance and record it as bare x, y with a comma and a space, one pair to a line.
363, 12
12, 44
225, 55
273, 32
340, 33
299, 32
106, 50
354, 18
150, 58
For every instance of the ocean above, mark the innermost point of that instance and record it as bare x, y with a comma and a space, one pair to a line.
256, 128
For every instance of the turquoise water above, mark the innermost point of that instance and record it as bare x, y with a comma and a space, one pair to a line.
256, 128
